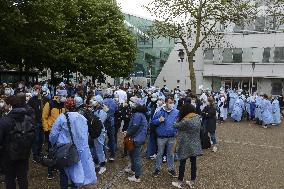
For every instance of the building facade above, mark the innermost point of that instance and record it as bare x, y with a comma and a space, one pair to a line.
255, 62
152, 53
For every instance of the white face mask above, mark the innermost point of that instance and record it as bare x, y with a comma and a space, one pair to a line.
160, 103
116, 99
153, 99
7, 92
94, 103
44, 93
28, 98
63, 99
2, 104
132, 104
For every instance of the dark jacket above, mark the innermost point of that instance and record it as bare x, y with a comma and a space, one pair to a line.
37, 103
209, 118
138, 125
188, 137
7, 124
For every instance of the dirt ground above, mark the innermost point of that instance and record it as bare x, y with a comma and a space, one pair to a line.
248, 157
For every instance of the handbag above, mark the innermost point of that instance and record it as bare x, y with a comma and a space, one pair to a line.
63, 155
129, 143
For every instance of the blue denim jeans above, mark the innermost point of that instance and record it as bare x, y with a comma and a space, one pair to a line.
110, 127
162, 144
38, 142
213, 137
98, 151
135, 158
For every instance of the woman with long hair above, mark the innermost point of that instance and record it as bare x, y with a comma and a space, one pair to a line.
209, 120
189, 144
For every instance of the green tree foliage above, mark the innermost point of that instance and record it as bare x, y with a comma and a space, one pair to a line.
67, 35
196, 22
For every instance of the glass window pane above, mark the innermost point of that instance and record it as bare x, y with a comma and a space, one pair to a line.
237, 55
279, 55
247, 55
266, 55
260, 24
227, 56
208, 54
217, 55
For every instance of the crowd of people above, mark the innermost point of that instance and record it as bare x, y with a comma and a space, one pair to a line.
170, 124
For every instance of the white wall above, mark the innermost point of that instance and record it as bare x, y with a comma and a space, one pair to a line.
174, 70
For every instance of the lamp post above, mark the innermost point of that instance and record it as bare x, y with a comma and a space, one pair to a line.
254, 61
181, 55
253, 67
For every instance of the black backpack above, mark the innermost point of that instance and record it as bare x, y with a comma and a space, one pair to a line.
95, 125
21, 138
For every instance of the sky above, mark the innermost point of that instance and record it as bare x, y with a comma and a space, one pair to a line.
135, 7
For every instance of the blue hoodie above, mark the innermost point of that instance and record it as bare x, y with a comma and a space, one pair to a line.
166, 129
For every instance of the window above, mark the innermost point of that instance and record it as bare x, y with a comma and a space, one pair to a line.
237, 55
276, 88
266, 55
247, 55
260, 24
227, 56
279, 55
208, 54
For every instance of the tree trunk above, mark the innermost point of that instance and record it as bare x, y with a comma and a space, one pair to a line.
192, 73
67, 75
52, 75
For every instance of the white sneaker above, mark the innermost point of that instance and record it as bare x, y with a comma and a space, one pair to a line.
214, 149
190, 184
111, 159
128, 170
134, 179
102, 170
153, 157
165, 159
177, 184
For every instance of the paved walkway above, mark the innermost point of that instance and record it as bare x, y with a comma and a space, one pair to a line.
248, 157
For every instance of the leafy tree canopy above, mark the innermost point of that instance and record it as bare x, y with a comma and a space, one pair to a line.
70, 35
196, 22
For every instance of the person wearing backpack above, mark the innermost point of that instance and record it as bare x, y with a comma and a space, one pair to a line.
50, 112
95, 125
99, 142
71, 127
17, 133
